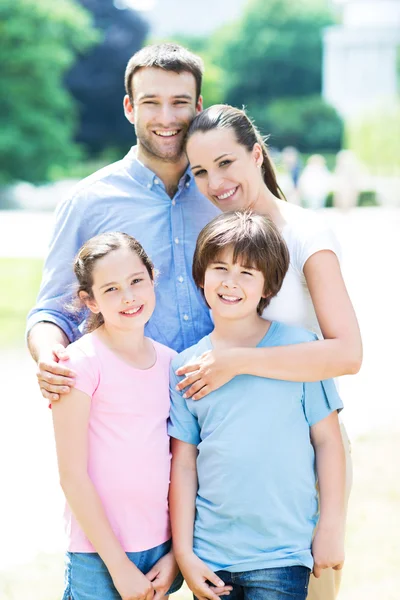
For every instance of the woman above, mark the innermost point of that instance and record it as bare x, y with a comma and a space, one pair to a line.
232, 168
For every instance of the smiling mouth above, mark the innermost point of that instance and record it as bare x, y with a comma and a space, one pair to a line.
226, 195
229, 299
131, 312
169, 133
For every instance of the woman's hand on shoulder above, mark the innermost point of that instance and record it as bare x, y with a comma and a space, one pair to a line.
210, 371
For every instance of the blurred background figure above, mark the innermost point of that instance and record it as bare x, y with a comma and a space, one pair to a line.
290, 165
349, 180
315, 182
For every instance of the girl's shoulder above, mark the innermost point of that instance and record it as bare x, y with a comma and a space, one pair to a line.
164, 353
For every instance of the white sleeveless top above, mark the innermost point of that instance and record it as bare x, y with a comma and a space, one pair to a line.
305, 234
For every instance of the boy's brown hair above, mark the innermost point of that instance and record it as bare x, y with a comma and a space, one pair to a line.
255, 241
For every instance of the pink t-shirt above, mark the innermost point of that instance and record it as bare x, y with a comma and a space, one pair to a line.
129, 458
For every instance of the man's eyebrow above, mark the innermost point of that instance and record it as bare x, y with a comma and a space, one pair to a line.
215, 160
114, 282
148, 96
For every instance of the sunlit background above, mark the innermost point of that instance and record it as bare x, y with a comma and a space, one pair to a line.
321, 78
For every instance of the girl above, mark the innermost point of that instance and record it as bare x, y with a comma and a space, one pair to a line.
111, 436
232, 168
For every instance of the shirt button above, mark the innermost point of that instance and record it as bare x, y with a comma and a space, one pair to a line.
156, 181
149, 185
187, 184
173, 202
185, 317
176, 240
180, 279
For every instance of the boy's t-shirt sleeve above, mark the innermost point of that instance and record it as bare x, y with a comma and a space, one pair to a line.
182, 424
320, 399
85, 367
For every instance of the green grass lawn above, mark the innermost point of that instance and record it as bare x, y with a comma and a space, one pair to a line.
372, 548
19, 281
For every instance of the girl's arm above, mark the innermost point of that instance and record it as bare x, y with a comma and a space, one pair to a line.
339, 353
328, 543
182, 501
70, 420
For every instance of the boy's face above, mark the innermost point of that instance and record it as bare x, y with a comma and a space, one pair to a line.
232, 290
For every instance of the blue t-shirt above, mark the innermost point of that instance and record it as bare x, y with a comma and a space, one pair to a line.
256, 504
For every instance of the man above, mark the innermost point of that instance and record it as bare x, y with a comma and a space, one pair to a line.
149, 194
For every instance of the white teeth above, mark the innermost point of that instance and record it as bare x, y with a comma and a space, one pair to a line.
227, 194
230, 298
166, 133
131, 311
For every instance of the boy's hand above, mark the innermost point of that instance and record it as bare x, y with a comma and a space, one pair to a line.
163, 574
131, 584
198, 578
327, 549
54, 379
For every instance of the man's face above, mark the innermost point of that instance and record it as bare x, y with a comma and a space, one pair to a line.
164, 105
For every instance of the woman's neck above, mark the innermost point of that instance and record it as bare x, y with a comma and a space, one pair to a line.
269, 205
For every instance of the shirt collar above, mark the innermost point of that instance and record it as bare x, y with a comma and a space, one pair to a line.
144, 175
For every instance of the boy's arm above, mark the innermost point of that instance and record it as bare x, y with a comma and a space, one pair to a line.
328, 544
70, 420
182, 499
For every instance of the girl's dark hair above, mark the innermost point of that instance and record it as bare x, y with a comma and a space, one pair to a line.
93, 250
223, 116
255, 241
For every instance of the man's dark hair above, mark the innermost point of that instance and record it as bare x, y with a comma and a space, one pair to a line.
255, 242
170, 57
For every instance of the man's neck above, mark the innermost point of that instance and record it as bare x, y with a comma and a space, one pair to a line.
169, 173
243, 333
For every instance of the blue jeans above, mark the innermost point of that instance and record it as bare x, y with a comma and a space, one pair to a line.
87, 577
283, 583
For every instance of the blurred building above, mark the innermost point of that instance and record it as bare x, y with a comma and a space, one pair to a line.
167, 17
362, 56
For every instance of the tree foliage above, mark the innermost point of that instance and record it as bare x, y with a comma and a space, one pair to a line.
39, 40
97, 78
274, 51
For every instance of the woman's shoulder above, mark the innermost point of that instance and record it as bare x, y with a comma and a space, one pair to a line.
302, 222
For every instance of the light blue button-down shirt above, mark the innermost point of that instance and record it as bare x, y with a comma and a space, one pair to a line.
126, 196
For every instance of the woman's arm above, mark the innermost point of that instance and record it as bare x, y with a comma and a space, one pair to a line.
328, 543
70, 420
339, 353
182, 502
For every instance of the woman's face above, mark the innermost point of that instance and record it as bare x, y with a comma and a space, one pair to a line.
225, 171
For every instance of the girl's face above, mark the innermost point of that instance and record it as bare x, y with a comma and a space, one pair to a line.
225, 171
123, 291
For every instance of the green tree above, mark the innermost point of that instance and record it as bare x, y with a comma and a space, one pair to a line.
39, 40
273, 51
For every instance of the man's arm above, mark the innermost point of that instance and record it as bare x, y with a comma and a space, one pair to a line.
328, 544
50, 327
45, 343
182, 500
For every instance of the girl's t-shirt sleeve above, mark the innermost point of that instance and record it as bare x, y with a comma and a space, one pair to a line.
85, 367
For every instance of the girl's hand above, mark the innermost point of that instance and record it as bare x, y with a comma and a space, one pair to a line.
327, 549
131, 584
163, 574
208, 373
198, 578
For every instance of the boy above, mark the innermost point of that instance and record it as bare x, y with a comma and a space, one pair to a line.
243, 499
